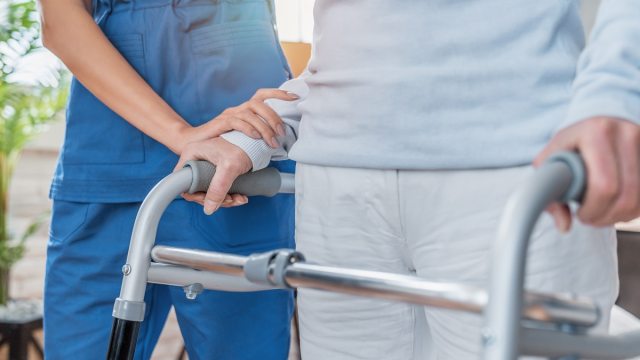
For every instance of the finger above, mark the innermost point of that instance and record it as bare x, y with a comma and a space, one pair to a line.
240, 199
264, 94
561, 215
197, 197
246, 127
227, 200
627, 204
270, 116
263, 128
219, 187
229, 121
184, 157
564, 140
235, 200
603, 180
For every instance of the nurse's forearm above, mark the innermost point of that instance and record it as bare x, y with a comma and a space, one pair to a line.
68, 30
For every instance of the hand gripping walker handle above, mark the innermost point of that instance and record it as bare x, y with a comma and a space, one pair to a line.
577, 187
562, 178
265, 182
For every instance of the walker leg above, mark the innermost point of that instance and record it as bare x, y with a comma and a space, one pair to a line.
122, 344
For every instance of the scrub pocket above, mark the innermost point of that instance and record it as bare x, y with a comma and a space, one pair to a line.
95, 134
66, 219
233, 60
261, 225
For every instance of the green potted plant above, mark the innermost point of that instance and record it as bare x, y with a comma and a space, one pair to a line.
27, 104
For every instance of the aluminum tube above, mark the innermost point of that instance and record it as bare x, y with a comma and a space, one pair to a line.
201, 260
287, 184
143, 237
386, 286
539, 307
182, 276
502, 320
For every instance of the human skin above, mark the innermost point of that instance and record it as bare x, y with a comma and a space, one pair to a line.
609, 146
69, 31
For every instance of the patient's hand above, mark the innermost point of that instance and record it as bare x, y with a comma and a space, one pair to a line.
610, 148
230, 161
254, 118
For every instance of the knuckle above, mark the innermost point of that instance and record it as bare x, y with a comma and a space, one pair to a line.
249, 114
627, 206
633, 134
604, 187
604, 126
236, 122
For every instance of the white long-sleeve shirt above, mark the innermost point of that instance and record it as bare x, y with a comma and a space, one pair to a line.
442, 84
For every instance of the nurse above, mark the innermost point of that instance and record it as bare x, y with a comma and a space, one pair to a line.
150, 77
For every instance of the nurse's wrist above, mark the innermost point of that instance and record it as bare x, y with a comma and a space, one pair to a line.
178, 139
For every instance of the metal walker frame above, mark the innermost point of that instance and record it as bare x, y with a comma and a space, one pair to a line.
515, 321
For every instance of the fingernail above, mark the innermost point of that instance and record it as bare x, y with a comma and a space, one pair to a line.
255, 134
209, 207
293, 95
274, 142
280, 130
228, 201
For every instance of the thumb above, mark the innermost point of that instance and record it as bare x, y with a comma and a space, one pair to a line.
218, 189
561, 216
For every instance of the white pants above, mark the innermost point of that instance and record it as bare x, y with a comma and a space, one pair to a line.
440, 226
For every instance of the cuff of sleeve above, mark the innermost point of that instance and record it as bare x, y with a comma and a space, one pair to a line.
619, 105
257, 150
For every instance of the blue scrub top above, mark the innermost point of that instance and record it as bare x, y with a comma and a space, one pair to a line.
200, 56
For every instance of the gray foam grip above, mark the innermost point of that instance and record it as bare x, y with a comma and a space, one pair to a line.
579, 182
265, 182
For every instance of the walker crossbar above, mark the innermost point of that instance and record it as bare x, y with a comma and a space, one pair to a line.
515, 322
555, 309
129, 307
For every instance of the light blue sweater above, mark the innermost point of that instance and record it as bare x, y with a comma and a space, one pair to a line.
452, 84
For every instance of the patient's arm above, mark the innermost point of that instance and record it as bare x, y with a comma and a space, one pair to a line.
608, 71
603, 121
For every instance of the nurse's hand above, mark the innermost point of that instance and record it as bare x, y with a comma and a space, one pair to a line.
230, 161
254, 118
610, 148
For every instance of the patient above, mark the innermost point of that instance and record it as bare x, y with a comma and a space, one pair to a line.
413, 129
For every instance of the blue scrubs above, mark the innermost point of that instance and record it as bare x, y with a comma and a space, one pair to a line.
201, 56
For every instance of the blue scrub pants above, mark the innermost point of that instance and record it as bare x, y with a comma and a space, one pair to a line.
88, 246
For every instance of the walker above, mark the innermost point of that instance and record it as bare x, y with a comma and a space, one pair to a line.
515, 322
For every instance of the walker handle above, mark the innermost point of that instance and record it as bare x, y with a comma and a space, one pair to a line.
265, 182
562, 178
575, 191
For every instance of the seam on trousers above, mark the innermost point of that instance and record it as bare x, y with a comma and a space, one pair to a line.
406, 257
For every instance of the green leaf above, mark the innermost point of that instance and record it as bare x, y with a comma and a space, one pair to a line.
25, 109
